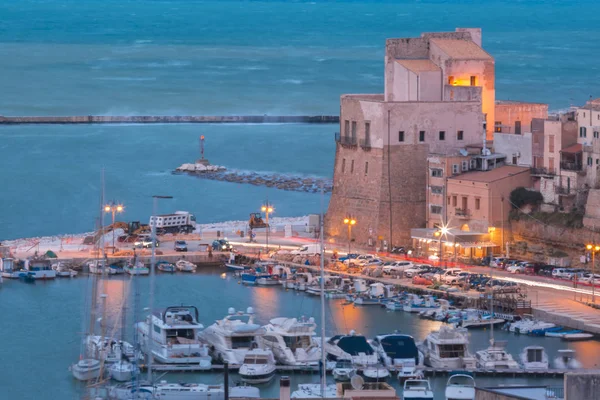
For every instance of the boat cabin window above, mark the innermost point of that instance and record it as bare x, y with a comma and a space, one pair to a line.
296, 342
174, 334
534, 355
255, 360
452, 350
156, 328
271, 339
242, 342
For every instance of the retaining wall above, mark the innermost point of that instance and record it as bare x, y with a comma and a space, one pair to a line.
163, 119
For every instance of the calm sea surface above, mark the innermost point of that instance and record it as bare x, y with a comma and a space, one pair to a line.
229, 57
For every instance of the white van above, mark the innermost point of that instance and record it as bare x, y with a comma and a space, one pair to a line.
307, 249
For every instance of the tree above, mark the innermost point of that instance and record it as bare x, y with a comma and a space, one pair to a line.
522, 196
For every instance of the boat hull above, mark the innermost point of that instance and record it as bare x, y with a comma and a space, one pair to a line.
85, 370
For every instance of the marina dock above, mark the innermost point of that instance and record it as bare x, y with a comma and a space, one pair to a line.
171, 119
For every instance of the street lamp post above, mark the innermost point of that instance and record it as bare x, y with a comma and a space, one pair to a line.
593, 248
439, 233
152, 271
267, 209
350, 222
113, 208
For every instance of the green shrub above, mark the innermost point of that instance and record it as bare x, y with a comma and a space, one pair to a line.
522, 196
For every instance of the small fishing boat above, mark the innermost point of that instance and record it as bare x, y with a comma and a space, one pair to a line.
394, 305
529, 324
460, 386
258, 366
269, 280
39, 267
417, 389
534, 358
86, 369
573, 337
185, 266
343, 370
115, 269
375, 373
137, 268
416, 304
237, 267
473, 319
63, 270
165, 266
566, 360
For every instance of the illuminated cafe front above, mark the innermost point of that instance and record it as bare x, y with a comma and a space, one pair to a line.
454, 243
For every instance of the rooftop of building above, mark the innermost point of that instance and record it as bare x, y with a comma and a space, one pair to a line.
462, 49
421, 65
494, 175
514, 102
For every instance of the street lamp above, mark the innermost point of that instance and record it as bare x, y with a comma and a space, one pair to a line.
442, 231
267, 208
350, 222
593, 248
113, 208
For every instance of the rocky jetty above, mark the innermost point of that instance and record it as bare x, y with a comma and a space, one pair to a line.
295, 183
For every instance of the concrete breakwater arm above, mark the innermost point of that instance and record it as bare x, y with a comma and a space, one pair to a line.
280, 181
171, 119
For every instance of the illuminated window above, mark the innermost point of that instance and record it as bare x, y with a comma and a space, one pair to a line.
451, 81
473, 81
498, 126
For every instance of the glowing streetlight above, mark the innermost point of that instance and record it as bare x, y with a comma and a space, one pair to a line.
267, 208
113, 208
350, 222
593, 248
439, 233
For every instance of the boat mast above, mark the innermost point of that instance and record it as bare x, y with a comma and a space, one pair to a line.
322, 271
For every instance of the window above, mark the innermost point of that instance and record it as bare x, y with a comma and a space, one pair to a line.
473, 81
459, 135
344, 165
421, 136
347, 128
498, 126
517, 127
465, 166
596, 133
156, 328
367, 132
455, 169
354, 129
438, 173
352, 166
442, 135
401, 136
366, 168
477, 204
436, 209
597, 161
589, 161
551, 143
448, 200
454, 201
583, 131
450, 80
551, 164
437, 189
473, 163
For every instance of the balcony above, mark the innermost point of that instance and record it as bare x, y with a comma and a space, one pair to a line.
542, 172
564, 191
345, 140
462, 213
571, 166
365, 144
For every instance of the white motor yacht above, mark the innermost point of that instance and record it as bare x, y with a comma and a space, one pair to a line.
447, 348
566, 360
292, 341
343, 370
351, 347
398, 352
534, 358
460, 387
137, 268
166, 391
171, 336
86, 369
417, 389
528, 324
496, 357
185, 266
258, 366
233, 336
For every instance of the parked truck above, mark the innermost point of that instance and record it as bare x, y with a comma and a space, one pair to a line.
178, 222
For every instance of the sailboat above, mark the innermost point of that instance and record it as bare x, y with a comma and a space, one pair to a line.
123, 370
320, 390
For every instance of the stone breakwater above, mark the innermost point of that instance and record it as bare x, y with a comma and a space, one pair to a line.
172, 119
280, 181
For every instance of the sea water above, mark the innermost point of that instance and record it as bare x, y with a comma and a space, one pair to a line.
176, 57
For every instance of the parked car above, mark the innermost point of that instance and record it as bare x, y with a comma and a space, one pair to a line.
587, 278
350, 256
459, 278
221, 245
373, 262
497, 261
396, 266
533, 268
477, 279
180, 245
518, 268
398, 250
557, 272
546, 270
359, 260
445, 275
145, 242
410, 272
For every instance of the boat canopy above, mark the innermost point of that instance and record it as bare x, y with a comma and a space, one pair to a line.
400, 346
354, 345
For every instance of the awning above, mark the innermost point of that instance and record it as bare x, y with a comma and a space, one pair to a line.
470, 245
453, 236
574, 149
